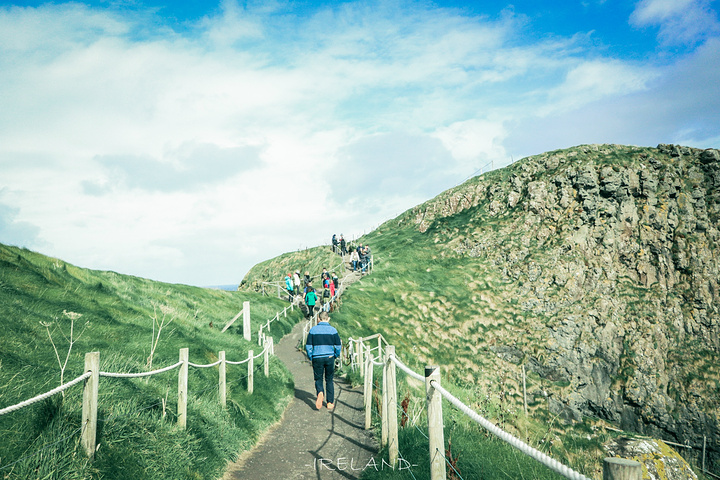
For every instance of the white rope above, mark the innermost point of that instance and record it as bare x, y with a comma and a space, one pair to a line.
237, 363
503, 435
261, 353
407, 370
267, 345
204, 366
138, 375
43, 396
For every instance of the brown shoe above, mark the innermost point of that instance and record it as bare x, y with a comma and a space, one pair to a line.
330, 406
318, 402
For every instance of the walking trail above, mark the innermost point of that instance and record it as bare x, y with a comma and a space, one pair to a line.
309, 443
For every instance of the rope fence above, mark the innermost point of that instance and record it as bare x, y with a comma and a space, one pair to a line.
365, 358
91, 390
508, 438
93, 373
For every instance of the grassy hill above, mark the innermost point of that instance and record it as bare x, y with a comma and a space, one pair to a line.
593, 267
53, 313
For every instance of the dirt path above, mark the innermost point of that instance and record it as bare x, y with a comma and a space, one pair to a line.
308, 443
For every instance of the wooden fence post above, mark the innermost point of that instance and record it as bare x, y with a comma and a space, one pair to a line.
621, 469
361, 357
251, 371
90, 403
222, 383
183, 388
368, 392
246, 320
524, 390
384, 408
266, 365
391, 406
435, 424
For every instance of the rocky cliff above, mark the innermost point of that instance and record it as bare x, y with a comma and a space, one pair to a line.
612, 253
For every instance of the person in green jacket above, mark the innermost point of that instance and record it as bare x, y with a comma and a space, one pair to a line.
310, 300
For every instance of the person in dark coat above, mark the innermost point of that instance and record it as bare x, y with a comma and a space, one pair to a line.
323, 346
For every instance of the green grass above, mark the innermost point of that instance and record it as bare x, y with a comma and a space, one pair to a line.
42, 299
449, 290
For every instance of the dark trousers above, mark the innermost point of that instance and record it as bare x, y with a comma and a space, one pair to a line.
324, 369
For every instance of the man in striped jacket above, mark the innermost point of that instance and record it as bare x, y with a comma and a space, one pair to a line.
323, 347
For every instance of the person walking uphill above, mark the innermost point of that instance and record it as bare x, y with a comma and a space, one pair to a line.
311, 299
323, 347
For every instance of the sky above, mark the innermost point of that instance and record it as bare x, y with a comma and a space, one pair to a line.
186, 141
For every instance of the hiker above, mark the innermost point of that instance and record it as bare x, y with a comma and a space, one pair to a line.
289, 287
326, 298
363, 259
334, 243
307, 279
311, 299
343, 245
354, 258
325, 275
323, 347
335, 282
296, 281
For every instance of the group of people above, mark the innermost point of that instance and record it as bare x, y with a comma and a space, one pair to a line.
359, 255
339, 245
310, 298
323, 345
360, 258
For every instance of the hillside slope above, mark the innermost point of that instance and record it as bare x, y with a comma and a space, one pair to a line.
47, 304
596, 267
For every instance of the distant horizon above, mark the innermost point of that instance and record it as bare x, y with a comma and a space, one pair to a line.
186, 142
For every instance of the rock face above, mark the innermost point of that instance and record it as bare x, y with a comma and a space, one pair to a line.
659, 461
615, 249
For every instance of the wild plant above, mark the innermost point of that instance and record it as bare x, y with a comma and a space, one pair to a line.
70, 339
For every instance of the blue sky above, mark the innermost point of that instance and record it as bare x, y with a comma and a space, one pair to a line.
187, 141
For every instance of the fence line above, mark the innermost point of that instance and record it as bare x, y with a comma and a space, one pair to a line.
614, 468
508, 438
91, 394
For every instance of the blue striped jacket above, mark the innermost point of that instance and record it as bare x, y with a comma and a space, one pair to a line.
323, 340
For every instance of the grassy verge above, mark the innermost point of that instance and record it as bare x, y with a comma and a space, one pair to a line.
54, 313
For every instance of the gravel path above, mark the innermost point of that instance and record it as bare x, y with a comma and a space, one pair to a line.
307, 443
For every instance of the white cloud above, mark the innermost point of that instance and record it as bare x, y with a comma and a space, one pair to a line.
682, 22
190, 156
474, 142
593, 80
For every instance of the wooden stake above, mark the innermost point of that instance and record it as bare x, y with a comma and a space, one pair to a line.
90, 403
222, 383
183, 388
435, 424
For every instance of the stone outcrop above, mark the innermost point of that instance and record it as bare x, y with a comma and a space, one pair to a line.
660, 462
615, 250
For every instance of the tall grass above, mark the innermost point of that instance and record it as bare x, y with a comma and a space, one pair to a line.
137, 434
